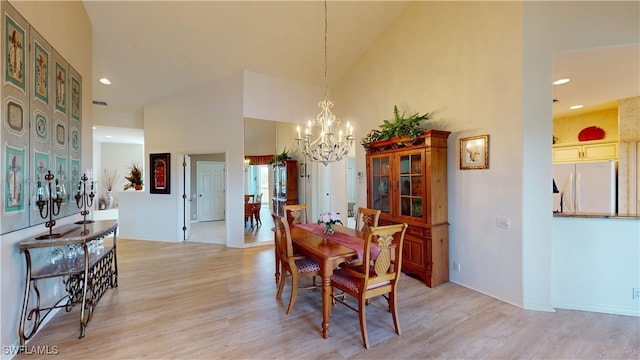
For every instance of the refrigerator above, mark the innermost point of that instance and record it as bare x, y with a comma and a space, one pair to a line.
585, 187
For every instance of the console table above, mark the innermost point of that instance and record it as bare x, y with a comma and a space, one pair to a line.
87, 271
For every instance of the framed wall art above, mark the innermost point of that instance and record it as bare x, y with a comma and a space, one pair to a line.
474, 152
160, 173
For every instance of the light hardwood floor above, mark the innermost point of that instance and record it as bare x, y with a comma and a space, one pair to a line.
203, 301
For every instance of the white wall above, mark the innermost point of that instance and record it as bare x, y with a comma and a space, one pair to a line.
595, 264
67, 28
270, 98
119, 157
205, 120
550, 27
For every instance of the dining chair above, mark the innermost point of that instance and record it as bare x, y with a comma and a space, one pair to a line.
296, 265
249, 212
257, 205
366, 218
295, 214
373, 277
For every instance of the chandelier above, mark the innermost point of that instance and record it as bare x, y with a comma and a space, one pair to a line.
329, 146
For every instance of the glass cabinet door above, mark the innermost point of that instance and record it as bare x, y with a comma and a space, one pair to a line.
380, 174
411, 189
283, 182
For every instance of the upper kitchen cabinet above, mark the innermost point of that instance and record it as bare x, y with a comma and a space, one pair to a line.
587, 151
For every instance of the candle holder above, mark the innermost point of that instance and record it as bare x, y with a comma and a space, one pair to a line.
49, 205
84, 200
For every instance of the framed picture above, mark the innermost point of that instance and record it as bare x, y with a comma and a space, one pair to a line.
160, 173
474, 152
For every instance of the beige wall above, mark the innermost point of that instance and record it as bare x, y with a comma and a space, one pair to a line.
457, 61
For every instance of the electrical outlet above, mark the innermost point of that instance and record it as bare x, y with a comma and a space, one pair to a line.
456, 266
636, 293
503, 223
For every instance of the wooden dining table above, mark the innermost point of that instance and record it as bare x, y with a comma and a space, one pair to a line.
329, 255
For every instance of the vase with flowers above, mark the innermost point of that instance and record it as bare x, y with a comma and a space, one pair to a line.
329, 219
109, 180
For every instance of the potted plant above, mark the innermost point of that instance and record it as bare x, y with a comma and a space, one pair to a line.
134, 178
399, 126
283, 156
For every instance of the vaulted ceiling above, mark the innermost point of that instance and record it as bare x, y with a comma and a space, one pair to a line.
153, 49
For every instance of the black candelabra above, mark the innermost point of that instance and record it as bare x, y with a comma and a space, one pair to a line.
84, 200
49, 204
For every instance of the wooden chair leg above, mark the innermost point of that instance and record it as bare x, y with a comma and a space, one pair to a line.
257, 216
394, 311
363, 321
294, 292
281, 286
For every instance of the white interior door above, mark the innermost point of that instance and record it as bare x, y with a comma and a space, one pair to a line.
211, 188
186, 196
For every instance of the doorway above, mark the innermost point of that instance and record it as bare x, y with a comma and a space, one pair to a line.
258, 181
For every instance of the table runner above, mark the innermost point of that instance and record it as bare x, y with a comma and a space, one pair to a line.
352, 242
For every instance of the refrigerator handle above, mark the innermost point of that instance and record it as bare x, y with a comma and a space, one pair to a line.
578, 191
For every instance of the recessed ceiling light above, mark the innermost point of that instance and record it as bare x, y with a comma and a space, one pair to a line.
105, 81
561, 81
94, 128
574, 107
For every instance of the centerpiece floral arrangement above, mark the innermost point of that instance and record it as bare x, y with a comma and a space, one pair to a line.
329, 218
134, 178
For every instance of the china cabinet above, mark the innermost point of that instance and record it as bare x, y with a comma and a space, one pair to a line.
285, 185
407, 181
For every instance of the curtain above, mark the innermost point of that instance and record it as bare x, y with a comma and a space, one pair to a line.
260, 159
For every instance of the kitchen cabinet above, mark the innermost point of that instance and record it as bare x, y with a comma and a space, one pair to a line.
591, 151
285, 185
407, 182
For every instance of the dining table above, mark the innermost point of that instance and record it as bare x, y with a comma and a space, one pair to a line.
329, 254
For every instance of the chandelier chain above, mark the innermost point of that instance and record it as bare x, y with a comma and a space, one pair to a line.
326, 61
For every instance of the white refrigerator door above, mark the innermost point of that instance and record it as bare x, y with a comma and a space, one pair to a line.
564, 176
596, 187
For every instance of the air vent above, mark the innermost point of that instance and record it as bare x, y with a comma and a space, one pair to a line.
103, 103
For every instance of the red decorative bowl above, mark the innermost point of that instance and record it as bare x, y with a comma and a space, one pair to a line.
591, 133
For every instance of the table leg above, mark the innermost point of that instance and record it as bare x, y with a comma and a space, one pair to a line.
326, 304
